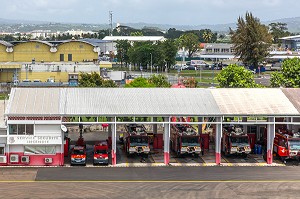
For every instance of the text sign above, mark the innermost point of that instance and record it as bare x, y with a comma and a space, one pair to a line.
34, 140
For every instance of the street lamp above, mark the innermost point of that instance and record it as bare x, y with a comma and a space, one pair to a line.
151, 63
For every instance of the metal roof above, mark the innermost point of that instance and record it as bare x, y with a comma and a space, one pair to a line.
134, 38
153, 101
293, 95
254, 101
5, 43
34, 101
138, 101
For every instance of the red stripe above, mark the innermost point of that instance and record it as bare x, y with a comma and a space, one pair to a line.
166, 158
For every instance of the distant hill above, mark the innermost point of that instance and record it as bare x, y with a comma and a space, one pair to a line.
25, 26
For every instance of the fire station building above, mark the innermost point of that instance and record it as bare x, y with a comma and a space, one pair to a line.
34, 116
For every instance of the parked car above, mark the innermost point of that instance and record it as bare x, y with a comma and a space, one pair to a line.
276, 66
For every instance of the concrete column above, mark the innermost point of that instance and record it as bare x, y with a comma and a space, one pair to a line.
114, 142
200, 119
270, 139
218, 140
244, 119
155, 125
289, 126
167, 141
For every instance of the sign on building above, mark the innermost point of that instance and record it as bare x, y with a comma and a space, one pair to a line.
35, 140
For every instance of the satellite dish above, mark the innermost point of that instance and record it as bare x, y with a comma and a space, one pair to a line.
64, 128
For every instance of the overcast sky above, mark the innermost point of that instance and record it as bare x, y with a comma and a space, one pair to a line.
179, 12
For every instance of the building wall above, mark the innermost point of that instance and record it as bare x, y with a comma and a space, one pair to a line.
43, 76
79, 50
25, 52
5, 56
6, 75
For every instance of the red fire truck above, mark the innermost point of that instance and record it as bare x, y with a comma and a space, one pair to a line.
101, 153
136, 140
185, 140
287, 144
78, 155
235, 141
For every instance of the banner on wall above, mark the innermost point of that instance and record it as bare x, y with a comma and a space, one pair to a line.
34, 140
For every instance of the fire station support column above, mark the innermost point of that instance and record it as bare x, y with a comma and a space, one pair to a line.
270, 139
218, 140
155, 125
167, 141
200, 119
114, 142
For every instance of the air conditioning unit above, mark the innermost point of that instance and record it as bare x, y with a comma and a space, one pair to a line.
25, 159
30, 68
14, 158
48, 160
3, 159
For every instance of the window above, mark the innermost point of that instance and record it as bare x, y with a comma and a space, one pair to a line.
216, 50
209, 50
49, 150
69, 57
37, 46
21, 129
62, 57
2, 150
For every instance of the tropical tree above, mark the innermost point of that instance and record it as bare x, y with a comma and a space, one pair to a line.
94, 80
235, 76
207, 36
159, 81
169, 49
140, 82
278, 30
251, 40
289, 76
190, 42
122, 51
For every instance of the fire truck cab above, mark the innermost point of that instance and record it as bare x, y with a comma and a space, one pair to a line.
78, 156
287, 144
235, 141
185, 140
101, 153
136, 140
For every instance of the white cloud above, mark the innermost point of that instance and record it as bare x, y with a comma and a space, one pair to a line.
151, 11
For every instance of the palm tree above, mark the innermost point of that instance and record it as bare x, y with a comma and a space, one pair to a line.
207, 36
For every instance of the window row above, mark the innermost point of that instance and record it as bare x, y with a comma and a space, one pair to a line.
21, 129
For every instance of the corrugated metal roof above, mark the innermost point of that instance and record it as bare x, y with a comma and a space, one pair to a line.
153, 101
34, 101
138, 101
5, 43
255, 101
293, 94
134, 38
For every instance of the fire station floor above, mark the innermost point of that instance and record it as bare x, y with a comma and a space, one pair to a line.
156, 157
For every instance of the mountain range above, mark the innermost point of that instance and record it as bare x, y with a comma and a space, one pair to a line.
293, 25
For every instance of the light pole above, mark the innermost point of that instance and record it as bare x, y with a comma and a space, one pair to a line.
151, 63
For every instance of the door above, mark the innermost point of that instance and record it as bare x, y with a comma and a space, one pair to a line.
62, 57
69, 57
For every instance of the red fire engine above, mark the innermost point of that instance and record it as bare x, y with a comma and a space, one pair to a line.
287, 144
235, 141
136, 140
185, 140
101, 153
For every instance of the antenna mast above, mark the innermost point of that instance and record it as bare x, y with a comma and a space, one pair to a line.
110, 23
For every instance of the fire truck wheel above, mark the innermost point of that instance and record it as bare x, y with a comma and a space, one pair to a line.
202, 152
196, 155
283, 160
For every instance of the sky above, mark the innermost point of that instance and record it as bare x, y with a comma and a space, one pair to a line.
177, 12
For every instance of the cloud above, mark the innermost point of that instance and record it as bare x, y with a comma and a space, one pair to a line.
192, 12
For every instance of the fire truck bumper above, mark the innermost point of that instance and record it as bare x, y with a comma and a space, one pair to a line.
100, 161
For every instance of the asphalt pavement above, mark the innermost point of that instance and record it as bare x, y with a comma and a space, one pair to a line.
151, 182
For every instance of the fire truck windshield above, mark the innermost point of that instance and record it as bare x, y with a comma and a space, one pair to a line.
78, 152
294, 144
138, 141
239, 140
98, 151
189, 141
